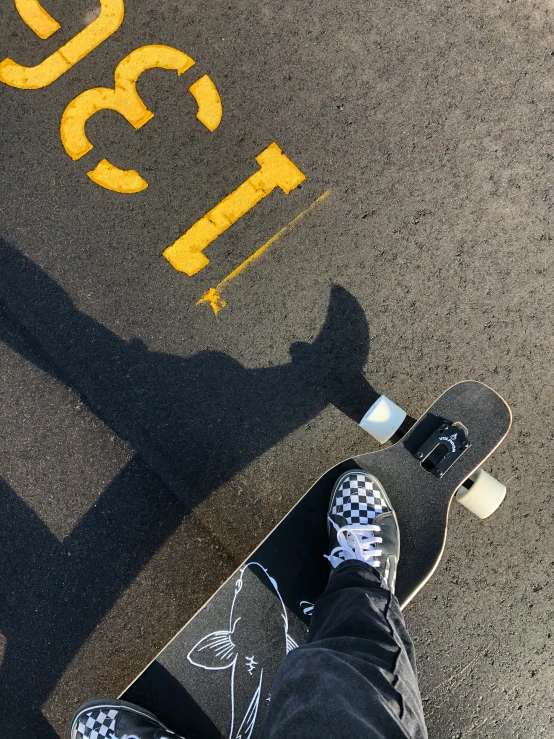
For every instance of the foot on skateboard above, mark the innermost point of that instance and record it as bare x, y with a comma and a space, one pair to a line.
107, 718
362, 525
200, 687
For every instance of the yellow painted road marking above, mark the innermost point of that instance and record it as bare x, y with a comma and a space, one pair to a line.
209, 103
38, 19
124, 99
119, 180
49, 70
213, 295
276, 170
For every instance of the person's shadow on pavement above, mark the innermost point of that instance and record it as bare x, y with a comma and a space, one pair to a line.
197, 421
194, 423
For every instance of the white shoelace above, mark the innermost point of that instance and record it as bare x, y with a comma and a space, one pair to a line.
356, 542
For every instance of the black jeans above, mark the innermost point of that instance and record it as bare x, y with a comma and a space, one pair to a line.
356, 677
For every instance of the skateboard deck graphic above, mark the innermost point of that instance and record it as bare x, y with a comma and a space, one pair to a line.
214, 678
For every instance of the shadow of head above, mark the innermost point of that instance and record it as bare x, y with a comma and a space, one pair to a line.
196, 420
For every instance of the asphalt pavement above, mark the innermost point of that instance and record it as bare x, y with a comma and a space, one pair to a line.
370, 191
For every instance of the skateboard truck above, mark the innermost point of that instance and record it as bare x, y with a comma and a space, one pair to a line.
439, 452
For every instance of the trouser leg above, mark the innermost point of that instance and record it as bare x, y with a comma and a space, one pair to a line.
356, 676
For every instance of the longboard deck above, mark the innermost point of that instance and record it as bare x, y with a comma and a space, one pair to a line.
218, 670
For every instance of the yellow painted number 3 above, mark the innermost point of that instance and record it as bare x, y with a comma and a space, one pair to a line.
125, 100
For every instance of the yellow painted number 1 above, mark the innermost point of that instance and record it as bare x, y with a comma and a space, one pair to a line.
276, 170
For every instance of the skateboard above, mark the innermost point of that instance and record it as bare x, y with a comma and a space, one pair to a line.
214, 678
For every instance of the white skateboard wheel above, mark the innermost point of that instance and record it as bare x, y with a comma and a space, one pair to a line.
383, 419
484, 496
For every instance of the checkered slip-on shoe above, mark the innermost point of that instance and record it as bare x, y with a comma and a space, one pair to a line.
362, 525
105, 718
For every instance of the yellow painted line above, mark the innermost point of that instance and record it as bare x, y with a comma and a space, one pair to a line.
37, 18
276, 170
49, 70
213, 295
